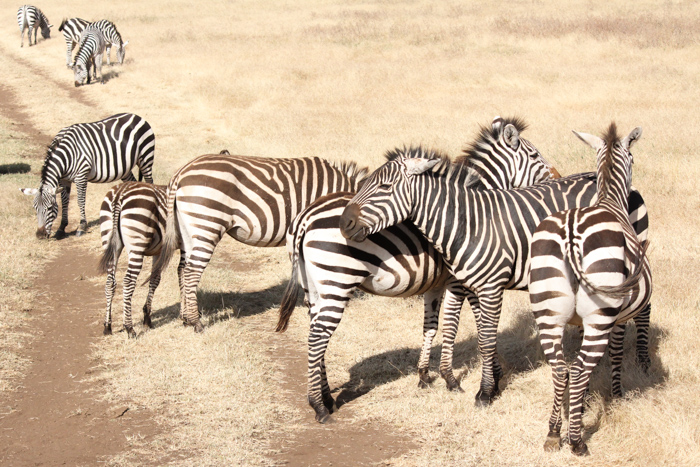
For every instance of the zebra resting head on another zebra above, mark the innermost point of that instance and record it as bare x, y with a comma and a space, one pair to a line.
589, 268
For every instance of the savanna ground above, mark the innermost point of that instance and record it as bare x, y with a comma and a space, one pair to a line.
347, 81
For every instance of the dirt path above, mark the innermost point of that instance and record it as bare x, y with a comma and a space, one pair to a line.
56, 417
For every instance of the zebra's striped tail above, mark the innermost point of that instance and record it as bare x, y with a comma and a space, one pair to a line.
171, 236
291, 293
109, 255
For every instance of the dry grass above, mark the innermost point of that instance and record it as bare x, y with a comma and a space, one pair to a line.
349, 81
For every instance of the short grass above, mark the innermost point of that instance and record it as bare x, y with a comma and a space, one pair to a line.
347, 81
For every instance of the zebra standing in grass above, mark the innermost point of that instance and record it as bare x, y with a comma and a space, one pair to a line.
132, 217
72, 29
398, 261
112, 38
483, 235
589, 268
253, 199
92, 46
31, 18
97, 152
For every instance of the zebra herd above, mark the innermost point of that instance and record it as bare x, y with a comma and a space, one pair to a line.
93, 40
419, 224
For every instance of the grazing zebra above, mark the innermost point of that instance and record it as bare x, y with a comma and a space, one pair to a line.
589, 268
483, 235
31, 18
112, 38
97, 152
132, 217
253, 199
396, 262
72, 29
92, 46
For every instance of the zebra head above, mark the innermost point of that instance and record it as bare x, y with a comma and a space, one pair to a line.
386, 197
46, 207
504, 159
121, 52
80, 71
46, 30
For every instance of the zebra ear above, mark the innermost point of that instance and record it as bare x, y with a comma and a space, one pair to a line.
512, 136
29, 191
632, 138
416, 166
58, 190
497, 124
125, 44
591, 140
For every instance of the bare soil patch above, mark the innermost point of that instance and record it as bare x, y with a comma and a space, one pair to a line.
56, 416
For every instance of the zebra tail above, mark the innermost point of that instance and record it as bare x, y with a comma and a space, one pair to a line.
109, 255
291, 293
171, 236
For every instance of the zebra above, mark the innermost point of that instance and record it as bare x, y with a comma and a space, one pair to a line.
398, 261
97, 152
72, 29
112, 38
573, 253
31, 18
132, 217
253, 199
92, 46
483, 235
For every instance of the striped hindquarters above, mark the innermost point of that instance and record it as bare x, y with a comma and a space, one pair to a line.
72, 29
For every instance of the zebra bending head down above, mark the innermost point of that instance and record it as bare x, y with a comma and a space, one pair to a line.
589, 268
31, 18
90, 51
97, 152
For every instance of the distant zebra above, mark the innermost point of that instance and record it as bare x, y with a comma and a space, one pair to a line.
483, 235
97, 152
132, 217
398, 261
253, 199
112, 38
589, 268
31, 18
92, 46
72, 29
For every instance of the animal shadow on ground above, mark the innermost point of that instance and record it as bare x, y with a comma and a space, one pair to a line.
219, 306
16, 168
57, 236
519, 352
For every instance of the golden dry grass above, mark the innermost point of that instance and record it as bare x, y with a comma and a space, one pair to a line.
348, 81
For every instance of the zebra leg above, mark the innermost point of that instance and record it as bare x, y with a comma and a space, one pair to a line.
65, 200
191, 276
152, 286
490, 302
615, 347
98, 66
181, 283
132, 273
476, 310
551, 342
642, 323
81, 187
454, 298
431, 313
108, 49
110, 287
21, 35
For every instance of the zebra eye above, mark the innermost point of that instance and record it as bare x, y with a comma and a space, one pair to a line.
385, 187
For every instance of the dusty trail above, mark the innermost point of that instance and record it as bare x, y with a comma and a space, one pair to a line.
56, 418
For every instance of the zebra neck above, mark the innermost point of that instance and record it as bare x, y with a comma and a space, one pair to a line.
614, 190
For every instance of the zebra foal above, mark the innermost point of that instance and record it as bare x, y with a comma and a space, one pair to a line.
396, 262
252, 199
589, 268
31, 18
97, 152
483, 235
132, 218
89, 54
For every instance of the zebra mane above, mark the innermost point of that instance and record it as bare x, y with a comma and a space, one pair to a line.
445, 168
63, 24
488, 134
607, 163
351, 169
49, 152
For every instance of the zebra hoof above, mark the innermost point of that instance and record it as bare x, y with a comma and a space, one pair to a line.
644, 363
553, 443
580, 449
79, 233
107, 331
130, 333
325, 418
60, 233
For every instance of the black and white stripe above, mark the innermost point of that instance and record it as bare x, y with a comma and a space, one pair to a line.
31, 18
90, 51
112, 38
398, 261
589, 268
72, 29
483, 235
132, 218
97, 152
253, 199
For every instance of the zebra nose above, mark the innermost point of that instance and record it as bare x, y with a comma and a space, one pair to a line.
348, 220
41, 233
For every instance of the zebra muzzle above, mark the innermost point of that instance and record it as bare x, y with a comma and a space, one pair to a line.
42, 233
350, 226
